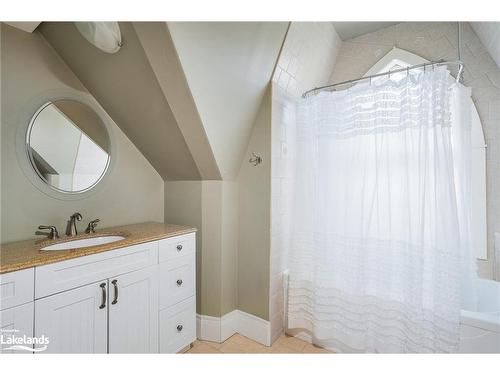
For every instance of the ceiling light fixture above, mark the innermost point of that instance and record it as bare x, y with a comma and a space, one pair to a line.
104, 35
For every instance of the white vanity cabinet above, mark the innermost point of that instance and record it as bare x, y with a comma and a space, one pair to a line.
116, 315
136, 299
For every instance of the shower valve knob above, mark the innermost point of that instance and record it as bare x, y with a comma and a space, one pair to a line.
179, 282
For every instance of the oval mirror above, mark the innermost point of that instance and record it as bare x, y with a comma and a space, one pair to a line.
68, 146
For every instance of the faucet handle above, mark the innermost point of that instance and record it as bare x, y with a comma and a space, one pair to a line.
91, 226
53, 231
77, 216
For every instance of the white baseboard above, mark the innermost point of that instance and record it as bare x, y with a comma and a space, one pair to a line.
215, 329
229, 325
254, 328
208, 328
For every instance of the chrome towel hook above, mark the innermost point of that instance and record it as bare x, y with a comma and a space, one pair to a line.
255, 159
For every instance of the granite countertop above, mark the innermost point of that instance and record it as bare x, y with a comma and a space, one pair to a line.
19, 255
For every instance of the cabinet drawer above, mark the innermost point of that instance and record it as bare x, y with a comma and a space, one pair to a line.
61, 276
16, 322
177, 280
176, 247
16, 288
178, 326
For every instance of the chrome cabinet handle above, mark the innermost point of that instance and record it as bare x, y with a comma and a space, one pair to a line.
103, 301
179, 327
115, 284
179, 282
179, 247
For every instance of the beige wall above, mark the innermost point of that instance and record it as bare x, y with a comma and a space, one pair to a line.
183, 206
132, 193
211, 206
254, 218
434, 41
229, 248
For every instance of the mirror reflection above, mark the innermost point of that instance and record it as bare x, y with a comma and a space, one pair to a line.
68, 146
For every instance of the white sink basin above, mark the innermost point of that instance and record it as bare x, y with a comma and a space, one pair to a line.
84, 242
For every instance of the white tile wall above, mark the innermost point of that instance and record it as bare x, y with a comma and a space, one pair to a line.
306, 61
435, 40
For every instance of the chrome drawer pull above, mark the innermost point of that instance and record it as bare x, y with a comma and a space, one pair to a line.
179, 327
103, 301
179, 282
115, 284
179, 247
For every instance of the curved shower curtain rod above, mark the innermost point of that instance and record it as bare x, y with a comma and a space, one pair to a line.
407, 69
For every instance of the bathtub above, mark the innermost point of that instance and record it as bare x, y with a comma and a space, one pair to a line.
480, 319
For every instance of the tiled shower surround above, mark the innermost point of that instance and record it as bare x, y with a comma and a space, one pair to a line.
306, 60
313, 55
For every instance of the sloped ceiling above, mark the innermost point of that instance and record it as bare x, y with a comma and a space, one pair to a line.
127, 88
185, 93
489, 33
349, 30
228, 66
160, 51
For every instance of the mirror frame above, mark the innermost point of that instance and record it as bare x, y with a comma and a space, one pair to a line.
26, 119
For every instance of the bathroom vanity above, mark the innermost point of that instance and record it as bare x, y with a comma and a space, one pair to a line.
134, 295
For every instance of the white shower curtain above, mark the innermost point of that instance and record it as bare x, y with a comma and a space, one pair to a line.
379, 241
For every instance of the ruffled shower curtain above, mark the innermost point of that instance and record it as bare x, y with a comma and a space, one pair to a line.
379, 243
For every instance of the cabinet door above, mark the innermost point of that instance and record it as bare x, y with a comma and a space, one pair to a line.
133, 312
16, 322
74, 321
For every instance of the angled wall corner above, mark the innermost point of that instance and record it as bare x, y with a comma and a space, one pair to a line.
160, 51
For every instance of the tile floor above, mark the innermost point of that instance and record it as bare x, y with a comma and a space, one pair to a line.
240, 344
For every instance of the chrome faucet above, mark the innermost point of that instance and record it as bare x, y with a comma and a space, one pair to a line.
71, 229
91, 226
52, 235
